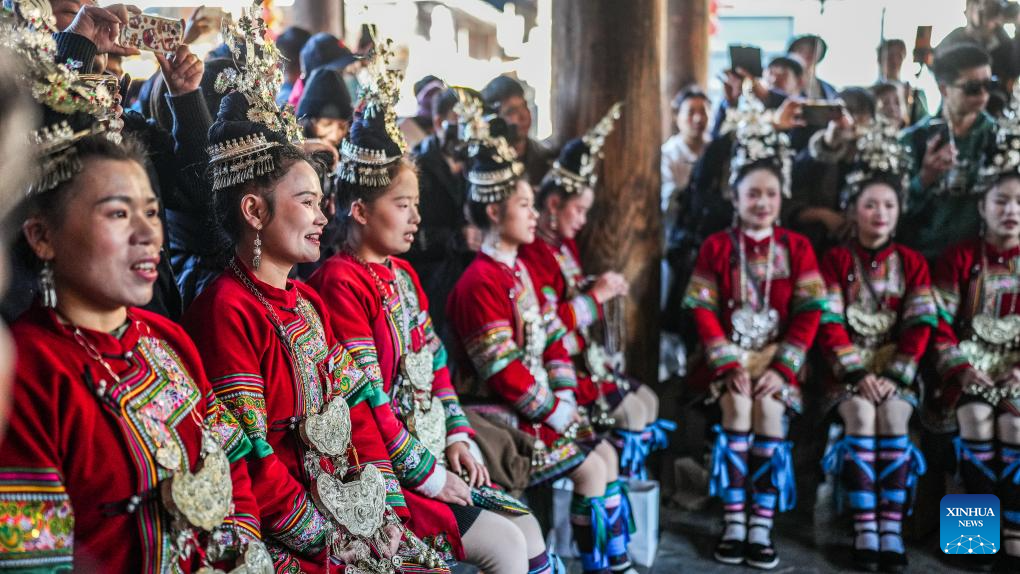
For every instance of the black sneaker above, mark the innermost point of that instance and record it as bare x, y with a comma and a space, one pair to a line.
761, 556
729, 551
865, 560
892, 562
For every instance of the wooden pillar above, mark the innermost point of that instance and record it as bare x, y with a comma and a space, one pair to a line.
604, 51
685, 60
319, 16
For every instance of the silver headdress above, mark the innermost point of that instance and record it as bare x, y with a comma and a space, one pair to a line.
1003, 158
576, 173
494, 169
27, 28
757, 140
58, 159
361, 164
879, 155
258, 78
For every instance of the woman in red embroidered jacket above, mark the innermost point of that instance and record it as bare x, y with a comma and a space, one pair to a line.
282, 374
379, 311
112, 413
876, 328
977, 288
756, 297
510, 346
554, 263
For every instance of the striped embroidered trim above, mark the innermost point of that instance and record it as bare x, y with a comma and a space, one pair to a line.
223, 424
947, 301
791, 356
349, 381
903, 369
244, 395
702, 292
919, 309
536, 403
36, 519
721, 353
848, 360
246, 524
809, 293
412, 462
561, 375
304, 528
584, 310
493, 348
573, 343
950, 360
456, 418
367, 357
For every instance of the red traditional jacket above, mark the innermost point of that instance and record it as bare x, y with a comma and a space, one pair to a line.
899, 278
556, 269
379, 332
797, 293
971, 278
271, 392
489, 309
80, 445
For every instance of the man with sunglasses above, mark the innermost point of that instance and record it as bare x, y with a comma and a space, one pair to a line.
946, 150
985, 28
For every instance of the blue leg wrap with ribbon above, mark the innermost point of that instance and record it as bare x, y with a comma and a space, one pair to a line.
595, 508
965, 454
780, 467
659, 431
833, 464
726, 460
917, 466
633, 453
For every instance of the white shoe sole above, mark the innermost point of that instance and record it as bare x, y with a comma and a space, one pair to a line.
727, 560
763, 565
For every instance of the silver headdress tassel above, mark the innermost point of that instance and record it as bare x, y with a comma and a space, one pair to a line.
879, 154
369, 166
56, 154
585, 174
1004, 158
258, 78
757, 140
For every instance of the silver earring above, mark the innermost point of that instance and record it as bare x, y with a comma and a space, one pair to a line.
47, 287
256, 259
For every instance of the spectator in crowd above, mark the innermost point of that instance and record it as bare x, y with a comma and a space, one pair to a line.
419, 126
323, 50
946, 150
812, 50
325, 109
912, 103
445, 243
782, 79
290, 43
506, 96
819, 173
683, 149
985, 20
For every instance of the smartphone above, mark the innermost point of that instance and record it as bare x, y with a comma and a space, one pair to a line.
818, 113
152, 33
746, 57
923, 52
938, 127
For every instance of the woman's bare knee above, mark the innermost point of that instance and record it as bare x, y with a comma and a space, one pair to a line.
893, 416
607, 453
590, 476
1008, 428
767, 414
858, 416
651, 401
736, 411
977, 421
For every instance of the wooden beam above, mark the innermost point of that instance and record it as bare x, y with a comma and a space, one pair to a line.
685, 61
604, 51
320, 16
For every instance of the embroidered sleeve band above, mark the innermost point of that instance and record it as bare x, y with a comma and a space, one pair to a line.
244, 395
36, 520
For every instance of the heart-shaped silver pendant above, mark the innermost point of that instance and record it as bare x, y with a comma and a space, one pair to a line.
329, 432
203, 497
358, 505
